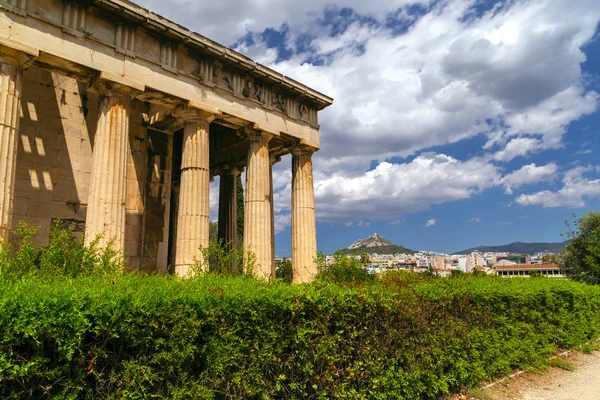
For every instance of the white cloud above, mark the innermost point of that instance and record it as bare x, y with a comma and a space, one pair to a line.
474, 219
518, 147
512, 72
430, 223
576, 188
527, 175
393, 189
512, 75
227, 21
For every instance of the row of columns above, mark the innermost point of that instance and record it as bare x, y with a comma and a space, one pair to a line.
105, 219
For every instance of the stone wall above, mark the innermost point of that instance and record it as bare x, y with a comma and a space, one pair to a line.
54, 164
54, 158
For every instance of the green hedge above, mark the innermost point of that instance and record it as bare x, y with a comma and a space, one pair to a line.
218, 337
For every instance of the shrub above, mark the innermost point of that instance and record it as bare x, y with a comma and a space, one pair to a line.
283, 270
219, 258
344, 269
403, 336
64, 255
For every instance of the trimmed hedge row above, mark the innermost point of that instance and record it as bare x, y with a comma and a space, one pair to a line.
219, 337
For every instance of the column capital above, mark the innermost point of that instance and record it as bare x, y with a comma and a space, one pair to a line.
303, 149
229, 170
273, 159
257, 134
194, 115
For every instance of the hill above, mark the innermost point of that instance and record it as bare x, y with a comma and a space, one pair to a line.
376, 244
519, 248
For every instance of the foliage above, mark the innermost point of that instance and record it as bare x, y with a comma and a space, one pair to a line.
240, 207
64, 255
550, 259
283, 270
213, 230
562, 364
582, 256
219, 258
403, 336
344, 269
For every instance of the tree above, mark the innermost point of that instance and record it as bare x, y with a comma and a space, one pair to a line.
550, 259
283, 270
240, 208
581, 258
213, 230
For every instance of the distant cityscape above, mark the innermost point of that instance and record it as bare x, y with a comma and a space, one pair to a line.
502, 263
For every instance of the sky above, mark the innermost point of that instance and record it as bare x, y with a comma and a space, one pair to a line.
456, 123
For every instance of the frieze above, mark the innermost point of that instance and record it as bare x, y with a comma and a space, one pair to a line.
125, 40
75, 19
168, 56
15, 6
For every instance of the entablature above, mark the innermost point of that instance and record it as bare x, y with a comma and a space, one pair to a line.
143, 37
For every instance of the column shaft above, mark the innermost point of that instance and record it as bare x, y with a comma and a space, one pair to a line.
105, 217
257, 213
228, 208
11, 78
304, 232
272, 211
194, 207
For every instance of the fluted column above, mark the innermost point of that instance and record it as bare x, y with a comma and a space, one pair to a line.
194, 207
105, 217
257, 212
228, 208
304, 231
272, 161
11, 78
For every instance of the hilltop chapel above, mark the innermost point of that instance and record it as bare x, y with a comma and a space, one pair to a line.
115, 120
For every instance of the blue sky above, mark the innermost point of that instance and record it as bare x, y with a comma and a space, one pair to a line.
456, 123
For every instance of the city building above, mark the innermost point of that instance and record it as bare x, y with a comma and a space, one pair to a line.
523, 270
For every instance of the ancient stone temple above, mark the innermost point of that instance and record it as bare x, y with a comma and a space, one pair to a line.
116, 120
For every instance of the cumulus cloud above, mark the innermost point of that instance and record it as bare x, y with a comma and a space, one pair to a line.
527, 175
474, 219
406, 81
430, 223
512, 74
393, 189
576, 188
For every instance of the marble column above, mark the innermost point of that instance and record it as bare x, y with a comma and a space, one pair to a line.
11, 78
272, 161
194, 207
304, 232
228, 208
257, 212
105, 217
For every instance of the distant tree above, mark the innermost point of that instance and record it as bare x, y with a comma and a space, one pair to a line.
213, 230
283, 270
364, 258
535, 274
240, 209
550, 259
581, 258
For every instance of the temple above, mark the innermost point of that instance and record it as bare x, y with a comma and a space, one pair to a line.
115, 120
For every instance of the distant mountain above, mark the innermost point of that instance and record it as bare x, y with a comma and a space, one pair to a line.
376, 244
519, 248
